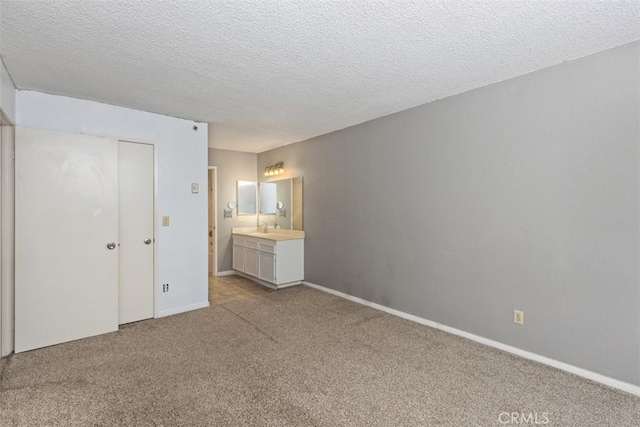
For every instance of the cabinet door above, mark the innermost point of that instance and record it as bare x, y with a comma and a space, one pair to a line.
238, 258
251, 262
267, 266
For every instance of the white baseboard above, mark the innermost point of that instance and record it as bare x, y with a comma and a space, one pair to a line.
226, 273
602, 379
182, 309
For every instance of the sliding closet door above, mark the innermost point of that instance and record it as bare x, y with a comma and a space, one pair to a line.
135, 170
66, 237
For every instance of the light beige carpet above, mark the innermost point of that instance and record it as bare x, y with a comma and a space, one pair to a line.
295, 357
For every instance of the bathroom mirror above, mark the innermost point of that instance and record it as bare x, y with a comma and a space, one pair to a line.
281, 203
247, 200
268, 197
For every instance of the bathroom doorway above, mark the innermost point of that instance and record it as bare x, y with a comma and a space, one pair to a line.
213, 221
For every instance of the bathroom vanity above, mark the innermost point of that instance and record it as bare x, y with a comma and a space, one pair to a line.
274, 258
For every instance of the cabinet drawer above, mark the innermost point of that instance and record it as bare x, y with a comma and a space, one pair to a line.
267, 247
252, 244
238, 241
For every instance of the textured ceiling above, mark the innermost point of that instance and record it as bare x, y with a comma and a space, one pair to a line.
269, 72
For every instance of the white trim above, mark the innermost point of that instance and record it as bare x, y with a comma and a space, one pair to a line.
215, 217
226, 273
185, 308
7, 279
599, 378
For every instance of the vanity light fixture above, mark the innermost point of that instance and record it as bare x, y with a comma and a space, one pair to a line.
273, 170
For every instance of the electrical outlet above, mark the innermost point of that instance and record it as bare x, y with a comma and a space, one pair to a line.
518, 317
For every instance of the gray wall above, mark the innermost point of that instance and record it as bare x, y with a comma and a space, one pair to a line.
231, 166
523, 194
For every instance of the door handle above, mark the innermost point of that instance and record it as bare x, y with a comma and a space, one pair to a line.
147, 241
111, 246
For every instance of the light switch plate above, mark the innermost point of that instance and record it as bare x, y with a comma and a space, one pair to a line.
194, 188
165, 221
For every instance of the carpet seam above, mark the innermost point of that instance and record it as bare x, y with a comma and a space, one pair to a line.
251, 323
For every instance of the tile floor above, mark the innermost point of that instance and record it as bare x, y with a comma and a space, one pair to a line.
223, 290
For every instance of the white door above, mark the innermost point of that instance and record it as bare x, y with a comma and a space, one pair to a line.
66, 222
135, 231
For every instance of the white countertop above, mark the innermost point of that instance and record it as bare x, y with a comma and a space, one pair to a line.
271, 234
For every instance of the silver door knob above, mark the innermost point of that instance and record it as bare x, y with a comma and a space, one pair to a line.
111, 246
147, 241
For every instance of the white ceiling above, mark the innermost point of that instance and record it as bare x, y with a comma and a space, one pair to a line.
271, 72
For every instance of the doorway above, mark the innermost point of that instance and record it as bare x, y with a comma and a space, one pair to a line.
213, 221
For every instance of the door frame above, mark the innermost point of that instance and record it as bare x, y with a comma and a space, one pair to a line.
7, 287
215, 217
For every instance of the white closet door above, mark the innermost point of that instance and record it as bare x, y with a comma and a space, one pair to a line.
66, 237
136, 231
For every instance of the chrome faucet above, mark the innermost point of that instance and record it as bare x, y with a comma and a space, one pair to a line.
275, 225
